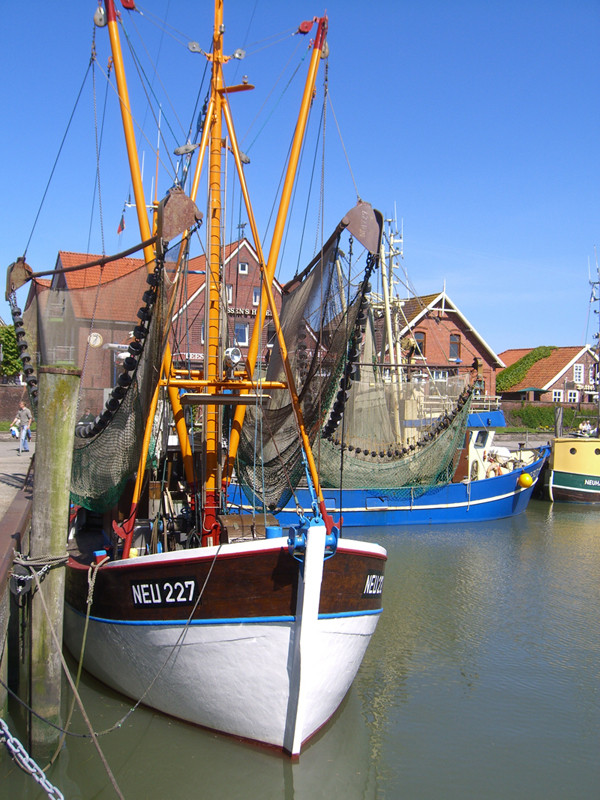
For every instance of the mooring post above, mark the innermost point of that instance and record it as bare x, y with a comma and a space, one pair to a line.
56, 418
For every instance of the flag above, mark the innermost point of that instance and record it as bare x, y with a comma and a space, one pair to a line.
121, 227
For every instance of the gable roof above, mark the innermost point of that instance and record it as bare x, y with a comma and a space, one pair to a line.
547, 371
414, 309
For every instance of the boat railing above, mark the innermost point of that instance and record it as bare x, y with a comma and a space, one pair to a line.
485, 402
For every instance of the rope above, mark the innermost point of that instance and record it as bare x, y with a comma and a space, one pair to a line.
98, 262
94, 737
92, 573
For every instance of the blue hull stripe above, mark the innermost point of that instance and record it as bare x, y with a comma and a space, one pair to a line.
224, 621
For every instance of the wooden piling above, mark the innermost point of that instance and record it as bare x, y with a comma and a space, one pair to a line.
56, 418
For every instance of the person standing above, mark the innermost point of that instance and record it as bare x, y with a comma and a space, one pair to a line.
23, 421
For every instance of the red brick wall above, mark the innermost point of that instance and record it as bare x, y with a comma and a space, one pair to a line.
10, 397
438, 327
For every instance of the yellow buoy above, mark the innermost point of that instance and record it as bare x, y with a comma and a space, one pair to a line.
525, 480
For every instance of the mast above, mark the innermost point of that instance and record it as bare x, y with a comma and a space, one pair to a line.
596, 299
394, 368
213, 379
212, 335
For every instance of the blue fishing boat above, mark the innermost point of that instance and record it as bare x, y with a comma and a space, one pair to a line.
489, 483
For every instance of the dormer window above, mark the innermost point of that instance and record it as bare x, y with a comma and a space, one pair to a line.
243, 268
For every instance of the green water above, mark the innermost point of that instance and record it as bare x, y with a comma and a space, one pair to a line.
482, 681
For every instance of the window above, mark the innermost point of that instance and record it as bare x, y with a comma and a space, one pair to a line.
578, 372
241, 334
229, 290
454, 347
243, 268
255, 296
557, 395
420, 348
572, 396
440, 374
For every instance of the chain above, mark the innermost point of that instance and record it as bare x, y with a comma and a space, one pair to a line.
21, 757
22, 573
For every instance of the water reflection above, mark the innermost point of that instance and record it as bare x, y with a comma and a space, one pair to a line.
481, 681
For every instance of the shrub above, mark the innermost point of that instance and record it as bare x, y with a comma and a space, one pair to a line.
11, 363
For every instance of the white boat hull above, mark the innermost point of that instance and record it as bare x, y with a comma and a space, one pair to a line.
274, 679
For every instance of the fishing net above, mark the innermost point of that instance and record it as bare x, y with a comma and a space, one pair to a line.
370, 427
318, 316
109, 322
395, 434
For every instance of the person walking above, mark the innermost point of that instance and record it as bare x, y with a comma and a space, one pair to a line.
23, 421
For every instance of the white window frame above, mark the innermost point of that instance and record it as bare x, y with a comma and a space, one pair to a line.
241, 334
229, 293
557, 395
572, 396
255, 295
243, 268
578, 373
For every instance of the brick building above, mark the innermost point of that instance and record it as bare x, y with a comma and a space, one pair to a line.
95, 309
242, 287
564, 376
437, 340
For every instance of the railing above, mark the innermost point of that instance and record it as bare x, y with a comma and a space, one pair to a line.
485, 403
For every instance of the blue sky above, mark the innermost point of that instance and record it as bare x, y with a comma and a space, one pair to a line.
476, 123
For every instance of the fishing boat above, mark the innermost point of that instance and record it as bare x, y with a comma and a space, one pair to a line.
226, 620
572, 474
504, 489
394, 447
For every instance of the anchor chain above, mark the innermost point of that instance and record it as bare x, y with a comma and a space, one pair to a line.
22, 758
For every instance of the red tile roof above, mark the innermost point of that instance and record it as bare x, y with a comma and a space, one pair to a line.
544, 371
123, 284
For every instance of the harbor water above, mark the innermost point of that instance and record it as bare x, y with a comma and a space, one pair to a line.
482, 681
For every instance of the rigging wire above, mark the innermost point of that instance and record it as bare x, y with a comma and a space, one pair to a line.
343, 147
154, 66
98, 186
91, 61
277, 103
